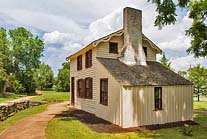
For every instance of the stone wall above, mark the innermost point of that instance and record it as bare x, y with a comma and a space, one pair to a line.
10, 109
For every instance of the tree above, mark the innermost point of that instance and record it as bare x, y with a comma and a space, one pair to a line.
198, 75
26, 52
4, 60
165, 62
63, 78
3, 79
166, 10
182, 73
44, 77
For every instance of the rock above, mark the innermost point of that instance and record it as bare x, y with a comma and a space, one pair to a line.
10, 109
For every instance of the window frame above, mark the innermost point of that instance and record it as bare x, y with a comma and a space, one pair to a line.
104, 94
79, 62
79, 88
113, 47
89, 88
158, 100
88, 59
145, 51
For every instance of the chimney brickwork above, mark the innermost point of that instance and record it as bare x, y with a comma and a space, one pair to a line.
133, 53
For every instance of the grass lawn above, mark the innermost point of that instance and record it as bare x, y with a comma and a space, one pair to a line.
200, 105
66, 128
22, 114
10, 97
52, 96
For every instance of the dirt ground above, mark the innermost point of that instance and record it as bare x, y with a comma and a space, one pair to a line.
33, 127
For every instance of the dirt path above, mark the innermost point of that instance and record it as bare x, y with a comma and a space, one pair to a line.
33, 127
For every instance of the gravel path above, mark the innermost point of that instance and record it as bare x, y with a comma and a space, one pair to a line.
33, 127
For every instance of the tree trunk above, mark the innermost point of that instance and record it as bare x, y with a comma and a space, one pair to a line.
198, 97
2, 88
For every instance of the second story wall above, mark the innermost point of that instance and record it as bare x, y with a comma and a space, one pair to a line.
102, 50
151, 53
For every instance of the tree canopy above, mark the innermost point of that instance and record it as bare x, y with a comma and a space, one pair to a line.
165, 62
198, 75
63, 78
20, 53
166, 10
44, 76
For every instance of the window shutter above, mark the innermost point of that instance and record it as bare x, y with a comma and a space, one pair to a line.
77, 88
91, 88
90, 58
83, 88
80, 62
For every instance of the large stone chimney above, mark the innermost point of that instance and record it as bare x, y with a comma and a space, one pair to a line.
132, 52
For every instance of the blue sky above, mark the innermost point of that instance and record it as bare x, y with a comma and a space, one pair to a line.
67, 25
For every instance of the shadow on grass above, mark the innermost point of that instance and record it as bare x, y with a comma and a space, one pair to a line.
102, 126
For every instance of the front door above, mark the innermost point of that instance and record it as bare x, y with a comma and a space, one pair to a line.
72, 90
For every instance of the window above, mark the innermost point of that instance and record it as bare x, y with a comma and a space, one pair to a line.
85, 88
158, 98
104, 91
79, 62
113, 47
80, 88
88, 88
88, 59
145, 51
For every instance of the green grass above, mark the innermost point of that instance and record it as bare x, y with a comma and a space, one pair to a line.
201, 105
67, 127
22, 114
52, 96
10, 97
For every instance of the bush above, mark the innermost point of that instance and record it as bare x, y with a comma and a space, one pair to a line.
18, 88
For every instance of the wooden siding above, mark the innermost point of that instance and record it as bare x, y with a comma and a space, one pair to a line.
138, 105
102, 49
112, 111
151, 53
81, 103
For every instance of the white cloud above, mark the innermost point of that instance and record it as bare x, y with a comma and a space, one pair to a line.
70, 25
181, 43
183, 63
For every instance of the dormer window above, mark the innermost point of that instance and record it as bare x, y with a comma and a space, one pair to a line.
79, 62
113, 47
88, 59
145, 51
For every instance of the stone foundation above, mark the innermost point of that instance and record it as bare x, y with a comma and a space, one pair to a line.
10, 109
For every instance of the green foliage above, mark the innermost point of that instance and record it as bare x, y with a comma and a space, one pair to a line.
27, 51
63, 78
165, 62
4, 53
44, 77
14, 85
198, 30
20, 54
198, 75
166, 10
182, 73
2, 81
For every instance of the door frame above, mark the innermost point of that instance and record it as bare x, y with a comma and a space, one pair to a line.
72, 91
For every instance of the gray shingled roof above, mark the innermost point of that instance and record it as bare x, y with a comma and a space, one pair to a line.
152, 74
